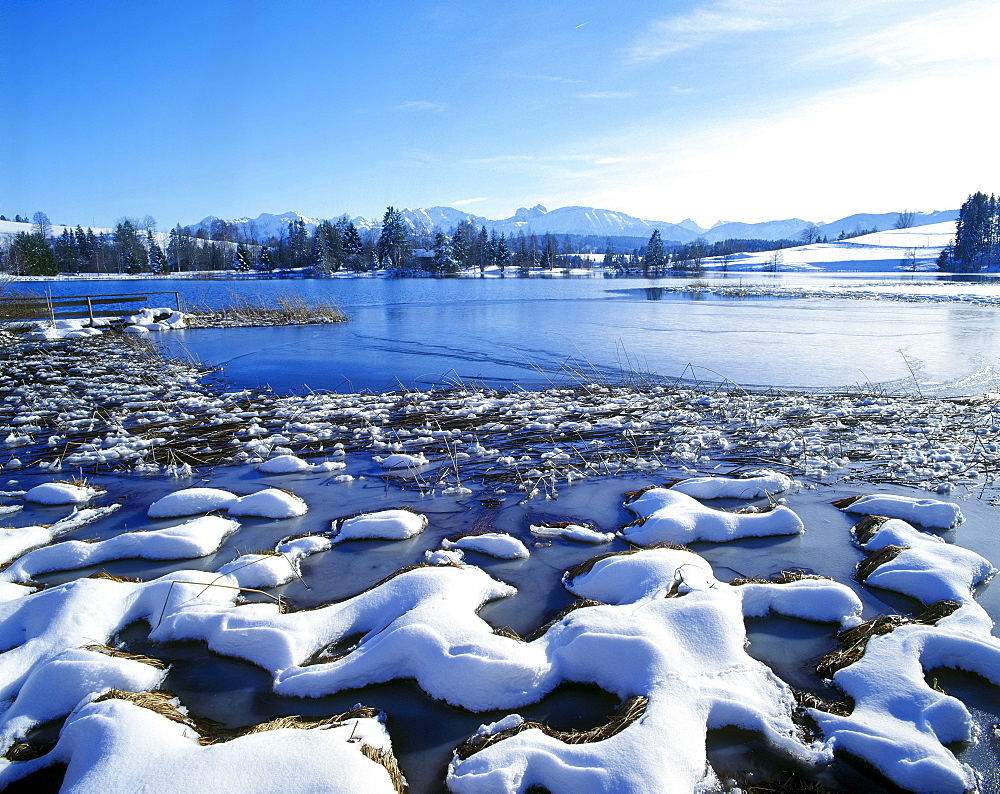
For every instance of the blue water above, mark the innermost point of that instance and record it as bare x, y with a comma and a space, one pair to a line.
532, 332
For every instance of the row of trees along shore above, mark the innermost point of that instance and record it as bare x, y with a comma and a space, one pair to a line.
976, 245
135, 247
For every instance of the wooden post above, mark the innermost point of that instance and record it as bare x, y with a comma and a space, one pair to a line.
90, 311
177, 301
52, 311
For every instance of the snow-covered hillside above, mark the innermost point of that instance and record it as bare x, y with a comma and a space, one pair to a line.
880, 251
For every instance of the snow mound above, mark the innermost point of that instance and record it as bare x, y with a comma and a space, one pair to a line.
383, 525
577, 532
291, 464
445, 557
670, 516
493, 544
195, 538
190, 501
61, 493
68, 680
283, 464
900, 724
744, 488
684, 654
402, 460
926, 512
928, 568
269, 503
109, 742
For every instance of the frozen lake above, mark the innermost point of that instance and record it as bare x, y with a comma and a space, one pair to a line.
529, 332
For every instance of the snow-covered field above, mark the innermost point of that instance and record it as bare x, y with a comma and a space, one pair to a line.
284, 531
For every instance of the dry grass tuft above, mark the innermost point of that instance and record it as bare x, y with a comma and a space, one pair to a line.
507, 631
865, 529
388, 760
26, 750
847, 501
784, 577
107, 650
102, 574
630, 711
243, 311
807, 700
579, 604
852, 642
868, 565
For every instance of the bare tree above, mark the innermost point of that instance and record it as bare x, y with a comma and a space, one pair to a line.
810, 234
42, 224
904, 219
909, 259
776, 260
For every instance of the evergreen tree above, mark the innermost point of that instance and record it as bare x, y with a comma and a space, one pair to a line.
351, 244
655, 259
444, 260
460, 244
328, 253
157, 259
30, 255
977, 236
130, 254
501, 253
393, 247
265, 260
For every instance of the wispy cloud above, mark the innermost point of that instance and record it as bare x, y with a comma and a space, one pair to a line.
423, 106
466, 202
711, 21
608, 95
963, 32
514, 160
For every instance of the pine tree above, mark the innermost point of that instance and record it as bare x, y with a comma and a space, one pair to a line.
393, 247
460, 245
444, 260
157, 259
501, 253
30, 255
265, 259
655, 259
352, 245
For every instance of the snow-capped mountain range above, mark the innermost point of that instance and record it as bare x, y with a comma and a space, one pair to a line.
590, 221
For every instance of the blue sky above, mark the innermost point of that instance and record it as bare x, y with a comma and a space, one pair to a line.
725, 109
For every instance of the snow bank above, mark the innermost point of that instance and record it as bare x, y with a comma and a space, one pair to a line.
493, 544
926, 512
670, 516
743, 488
61, 493
15, 541
576, 532
383, 525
